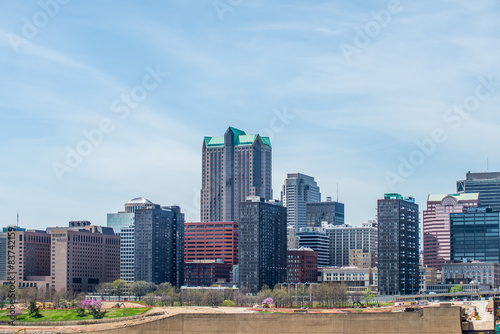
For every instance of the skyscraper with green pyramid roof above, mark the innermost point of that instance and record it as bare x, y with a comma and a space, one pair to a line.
235, 166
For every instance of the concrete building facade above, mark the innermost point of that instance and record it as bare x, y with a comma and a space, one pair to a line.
343, 238
473, 271
234, 166
361, 259
357, 279
84, 257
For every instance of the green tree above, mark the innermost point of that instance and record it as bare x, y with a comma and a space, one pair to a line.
150, 299
34, 311
456, 288
139, 289
119, 287
368, 295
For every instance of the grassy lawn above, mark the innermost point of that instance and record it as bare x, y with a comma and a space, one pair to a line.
70, 314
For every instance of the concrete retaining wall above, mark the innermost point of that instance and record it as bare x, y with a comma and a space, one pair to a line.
430, 320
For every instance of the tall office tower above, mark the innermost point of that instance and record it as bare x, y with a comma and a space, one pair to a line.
83, 257
262, 244
235, 166
436, 225
159, 245
475, 235
319, 242
486, 184
343, 238
123, 225
298, 190
398, 259
216, 241
330, 212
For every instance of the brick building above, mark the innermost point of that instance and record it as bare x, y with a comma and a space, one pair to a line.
302, 265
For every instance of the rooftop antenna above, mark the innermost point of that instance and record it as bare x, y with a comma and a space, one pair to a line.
17, 218
337, 191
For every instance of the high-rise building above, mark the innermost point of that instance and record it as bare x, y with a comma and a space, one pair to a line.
486, 184
343, 238
159, 245
83, 257
262, 244
318, 241
123, 224
298, 190
211, 241
330, 212
235, 166
302, 266
436, 225
398, 258
72, 258
475, 235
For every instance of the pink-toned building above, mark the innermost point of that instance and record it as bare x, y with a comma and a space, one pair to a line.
436, 225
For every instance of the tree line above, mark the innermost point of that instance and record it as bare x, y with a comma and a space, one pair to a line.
327, 294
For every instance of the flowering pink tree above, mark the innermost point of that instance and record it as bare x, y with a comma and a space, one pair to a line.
90, 303
268, 301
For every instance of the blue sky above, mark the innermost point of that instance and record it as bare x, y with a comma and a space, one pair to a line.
345, 90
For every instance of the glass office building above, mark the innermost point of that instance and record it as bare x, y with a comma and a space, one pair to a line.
475, 235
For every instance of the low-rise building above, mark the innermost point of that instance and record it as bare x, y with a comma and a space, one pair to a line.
475, 271
357, 279
206, 273
428, 276
302, 265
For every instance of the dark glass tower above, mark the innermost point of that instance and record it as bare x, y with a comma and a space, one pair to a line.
159, 245
398, 260
331, 212
486, 184
262, 244
475, 235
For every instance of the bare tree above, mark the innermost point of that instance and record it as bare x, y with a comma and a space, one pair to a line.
212, 298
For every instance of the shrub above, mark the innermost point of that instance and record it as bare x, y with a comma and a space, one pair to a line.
228, 303
34, 310
80, 311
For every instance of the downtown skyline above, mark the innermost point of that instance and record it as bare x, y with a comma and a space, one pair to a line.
338, 104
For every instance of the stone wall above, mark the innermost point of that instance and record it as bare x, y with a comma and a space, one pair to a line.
430, 320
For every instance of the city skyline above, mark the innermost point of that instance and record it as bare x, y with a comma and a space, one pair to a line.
350, 94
